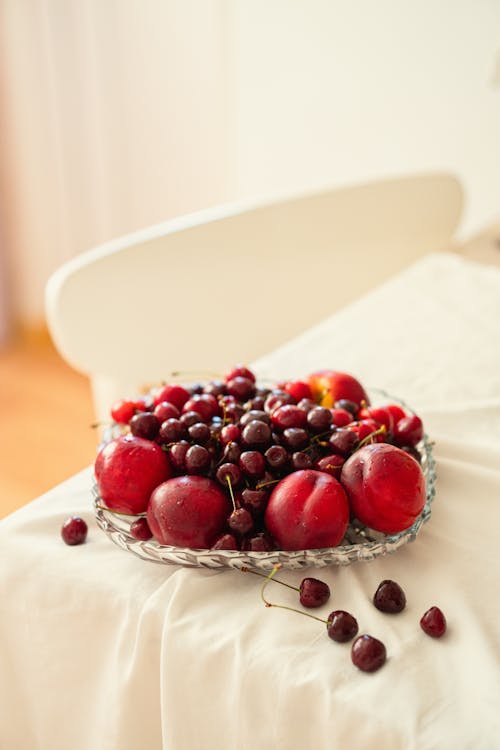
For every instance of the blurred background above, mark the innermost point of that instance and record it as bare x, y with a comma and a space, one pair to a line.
118, 114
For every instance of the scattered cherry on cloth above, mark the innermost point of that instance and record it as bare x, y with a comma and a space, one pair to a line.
74, 531
433, 622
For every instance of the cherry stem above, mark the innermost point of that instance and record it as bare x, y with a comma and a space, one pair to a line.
119, 512
381, 430
224, 414
266, 484
244, 569
95, 425
228, 480
282, 606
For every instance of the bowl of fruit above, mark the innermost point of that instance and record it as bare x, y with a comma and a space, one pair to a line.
232, 473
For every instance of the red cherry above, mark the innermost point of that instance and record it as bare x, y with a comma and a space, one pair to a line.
288, 415
139, 529
241, 388
230, 433
240, 521
240, 371
74, 531
205, 404
258, 543
341, 626
165, 410
389, 597
395, 411
368, 653
122, 411
313, 592
225, 541
298, 389
341, 417
364, 428
381, 415
332, 464
173, 393
409, 431
433, 622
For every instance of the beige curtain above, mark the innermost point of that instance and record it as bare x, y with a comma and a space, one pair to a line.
114, 117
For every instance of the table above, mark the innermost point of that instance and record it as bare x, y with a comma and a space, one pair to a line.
100, 650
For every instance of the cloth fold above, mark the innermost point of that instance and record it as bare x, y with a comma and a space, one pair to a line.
102, 651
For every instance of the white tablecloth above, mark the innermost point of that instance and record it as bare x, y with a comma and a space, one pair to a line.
100, 650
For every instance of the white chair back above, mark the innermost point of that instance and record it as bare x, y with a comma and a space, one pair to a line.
229, 284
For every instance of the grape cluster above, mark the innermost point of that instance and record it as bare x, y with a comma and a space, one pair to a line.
247, 437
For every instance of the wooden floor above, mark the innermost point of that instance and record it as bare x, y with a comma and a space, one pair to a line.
45, 417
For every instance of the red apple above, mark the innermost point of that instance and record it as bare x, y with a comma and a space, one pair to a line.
127, 470
307, 510
328, 386
385, 487
188, 511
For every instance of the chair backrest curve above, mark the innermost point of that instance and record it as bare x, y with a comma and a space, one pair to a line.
230, 283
